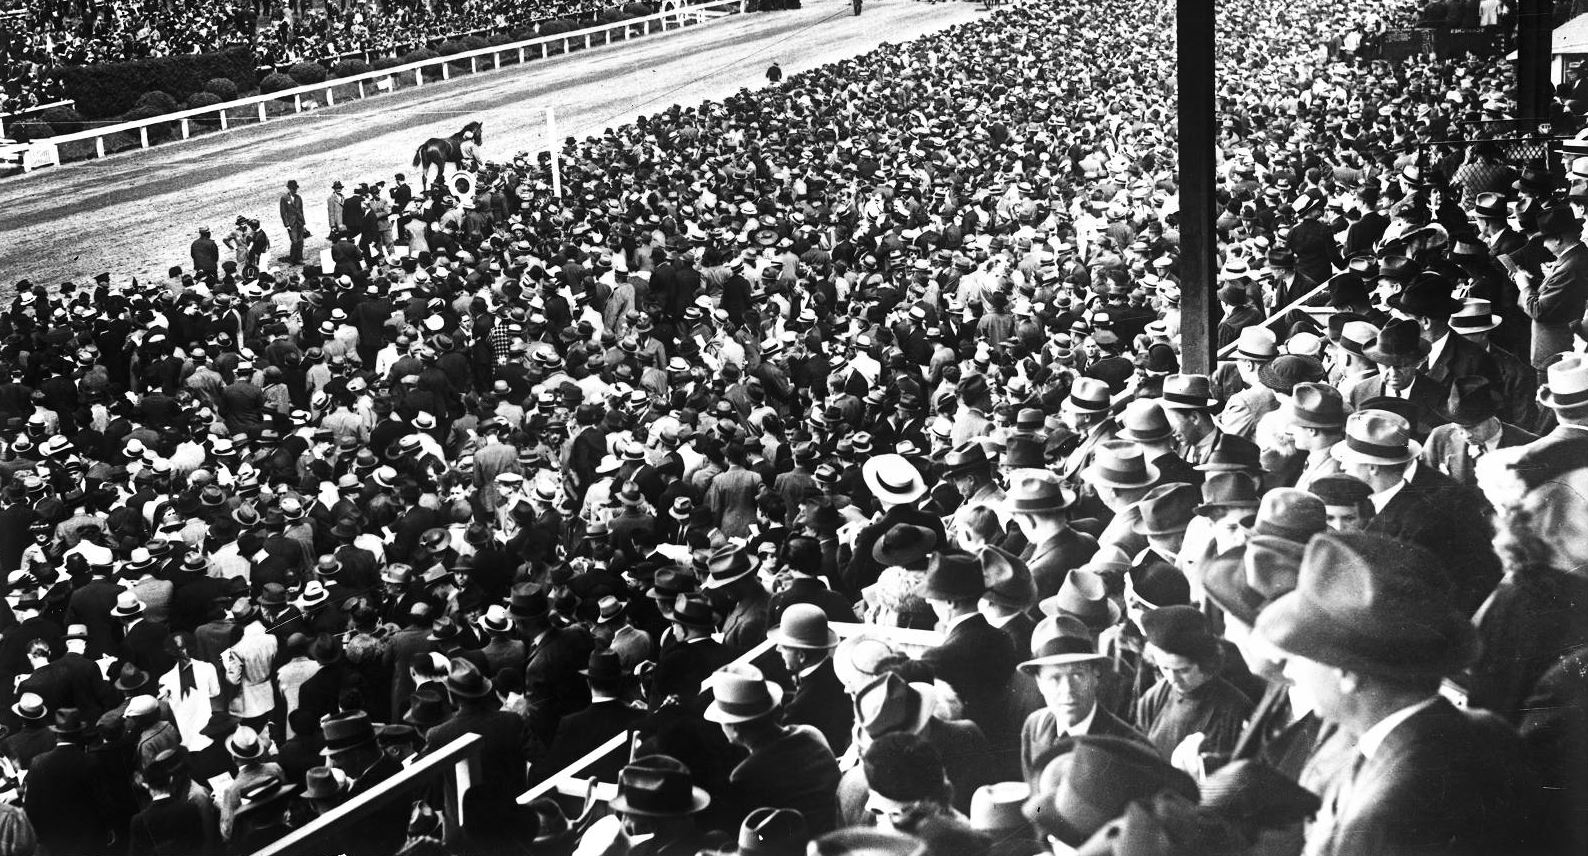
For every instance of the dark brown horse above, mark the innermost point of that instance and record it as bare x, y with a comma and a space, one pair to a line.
440, 151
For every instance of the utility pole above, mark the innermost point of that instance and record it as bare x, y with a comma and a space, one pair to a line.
1198, 247
1535, 21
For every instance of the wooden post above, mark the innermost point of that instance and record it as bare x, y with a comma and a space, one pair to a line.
419, 77
143, 136
99, 146
297, 104
645, 30
1198, 249
473, 68
361, 89
496, 59
545, 49
261, 111
330, 96
520, 56
185, 129
446, 71
223, 120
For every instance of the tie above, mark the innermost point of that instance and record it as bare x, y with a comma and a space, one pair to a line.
184, 678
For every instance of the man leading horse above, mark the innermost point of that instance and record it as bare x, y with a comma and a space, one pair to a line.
461, 150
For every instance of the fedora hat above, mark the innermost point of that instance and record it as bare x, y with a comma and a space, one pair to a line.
528, 601
1244, 581
1290, 513
1370, 603
426, 709
1253, 794
1232, 452
1084, 597
131, 679
1317, 405
321, 783
966, 457
604, 666
729, 564
772, 831
658, 786
314, 594
1284, 372
1143, 421
1065, 640
1007, 579
269, 793
127, 605
1565, 387
1188, 392
995, 808
862, 841
891, 705
464, 680
246, 744
1167, 509
803, 625
1491, 206
952, 577
904, 545
1430, 295
1376, 437
691, 609
609, 609
1559, 221
1476, 315
1230, 489
1035, 491
1120, 464
1081, 791
669, 583
892, 479
345, 731
1472, 400
1022, 452
742, 694
859, 659
1256, 343
1089, 395
1399, 344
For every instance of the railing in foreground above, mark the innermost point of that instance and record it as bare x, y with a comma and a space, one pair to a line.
567, 782
29, 111
1300, 303
47, 152
455, 764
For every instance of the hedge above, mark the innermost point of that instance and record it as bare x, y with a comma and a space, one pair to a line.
63, 120
30, 129
158, 132
350, 68
558, 26
199, 100
159, 102
306, 73
276, 82
382, 63
103, 91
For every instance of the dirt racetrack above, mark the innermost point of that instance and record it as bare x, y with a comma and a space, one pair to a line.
134, 214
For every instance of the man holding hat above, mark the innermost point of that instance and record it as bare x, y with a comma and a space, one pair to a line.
1369, 636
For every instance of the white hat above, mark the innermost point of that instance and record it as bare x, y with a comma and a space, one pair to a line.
893, 479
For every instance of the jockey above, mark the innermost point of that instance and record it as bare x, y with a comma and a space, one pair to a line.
471, 152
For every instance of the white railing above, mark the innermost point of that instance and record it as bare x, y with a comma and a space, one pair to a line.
29, 111
46, 152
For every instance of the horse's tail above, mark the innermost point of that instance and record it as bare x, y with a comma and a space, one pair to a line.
419, 154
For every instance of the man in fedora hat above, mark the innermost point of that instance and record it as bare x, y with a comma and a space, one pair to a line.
788, 766
1317, 423
70, 791
974, 658
735, 591
1560, 297
505, 740
806, 644
1429, 300
896, 484
1068, 672
910, 793
1400, 351
1368, 636
556, 653
350, 747
1418, 504
969, 470
1474, 429
1038, 503
657, 797
685, 664
1189, 404
609, 713
1517, 380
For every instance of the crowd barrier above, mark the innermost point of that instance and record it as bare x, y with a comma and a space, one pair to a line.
568, 784
47, 152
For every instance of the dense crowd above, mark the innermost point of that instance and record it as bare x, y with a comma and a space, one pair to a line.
56, 35
892, 343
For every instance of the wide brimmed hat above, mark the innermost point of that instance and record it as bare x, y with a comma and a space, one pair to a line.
1034, 491
1243, 581
30, 706
904, 545
127, 605
1256, 343
1317, 405
1430, 295
1089, 395
346, 731
1290, 513
729, 564
1083, 596
1231, 489
131, 678
1252, 794
1120, 464
528, 601
1475, 316
1070, 642
804, 626
604, 666
269, 793
1369, 603
893, 479
658, 786
1007, 578
891, 705
860, 659
464, 680
1285, 372
1188, 392
1167, 510
691, 609
426, 709
968, 456
1376, 437
1399, 344
1084, 789
1472, 400
246, 744
1565, 389
1143, 421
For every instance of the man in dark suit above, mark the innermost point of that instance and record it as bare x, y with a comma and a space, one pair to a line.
1562, 295
1400, 350
72, 680
505, 736
1430, 302
350, 747
66, 799
91, 606
142, 641
685, 664
1419, 505
975, 658
1068, 672
1369, 636
1039, 506
819, 700
554, 657
579, 733
1474, 430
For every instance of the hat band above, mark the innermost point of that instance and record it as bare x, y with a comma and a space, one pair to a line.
746, 708
1241, 352
1183, 398
1130, 476
1567, 399
1378, 450
1326, 417
1470, 322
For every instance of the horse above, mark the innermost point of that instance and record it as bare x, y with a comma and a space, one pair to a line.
440, 151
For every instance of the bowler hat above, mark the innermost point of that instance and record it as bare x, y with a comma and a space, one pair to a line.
1373, 604
804, 626
952, 577
658, 786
